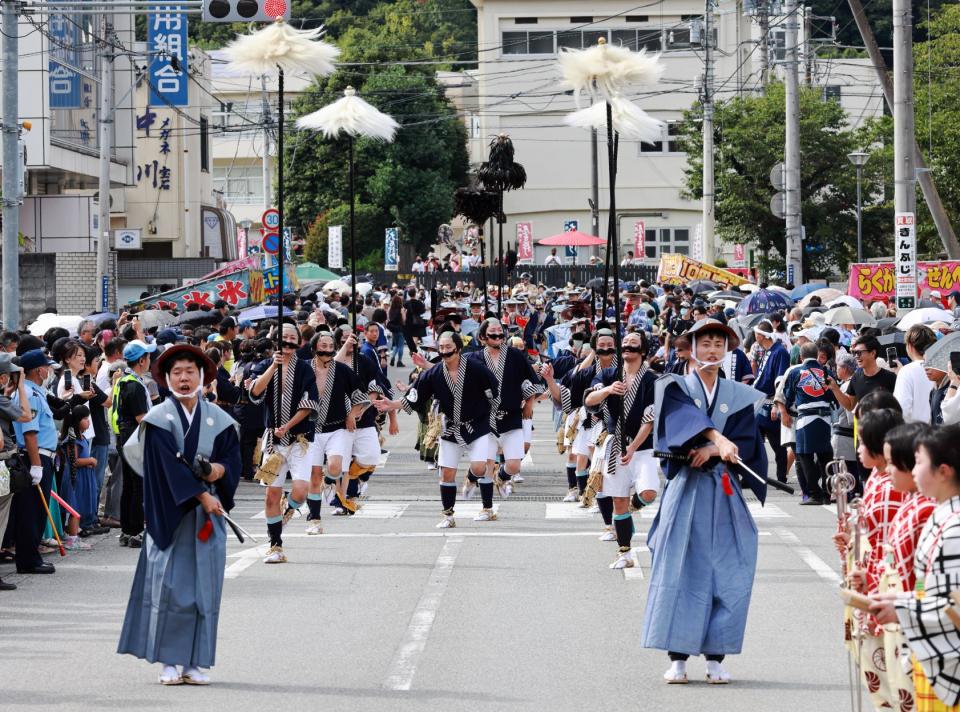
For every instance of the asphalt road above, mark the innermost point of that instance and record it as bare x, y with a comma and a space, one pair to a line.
385, 612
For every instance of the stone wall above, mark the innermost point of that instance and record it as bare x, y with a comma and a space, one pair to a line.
77, 290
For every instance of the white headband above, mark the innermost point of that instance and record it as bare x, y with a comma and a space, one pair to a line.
761, 332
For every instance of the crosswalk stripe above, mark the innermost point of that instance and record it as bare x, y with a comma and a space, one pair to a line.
636, 573
381, 510
566, 510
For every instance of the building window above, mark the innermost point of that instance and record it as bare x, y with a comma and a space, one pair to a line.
832, 92
670, 145
204, 144
525, 21
528, 43
665, 241
638, 18
240, 185
581, 20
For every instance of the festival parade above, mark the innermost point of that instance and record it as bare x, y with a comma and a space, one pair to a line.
480, 355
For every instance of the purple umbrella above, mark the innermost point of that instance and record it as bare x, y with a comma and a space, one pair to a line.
763, 301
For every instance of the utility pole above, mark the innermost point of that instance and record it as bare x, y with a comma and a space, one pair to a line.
11, 207
763, 14
930, 194
106, 145
709, 243
807, 46
794, 256
904, 170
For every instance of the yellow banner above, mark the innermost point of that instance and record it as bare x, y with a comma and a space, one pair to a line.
680, 269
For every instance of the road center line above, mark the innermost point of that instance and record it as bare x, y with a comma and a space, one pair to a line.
819, 566
404, 666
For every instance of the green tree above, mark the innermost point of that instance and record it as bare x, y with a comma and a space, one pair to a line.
370, 226
749, 140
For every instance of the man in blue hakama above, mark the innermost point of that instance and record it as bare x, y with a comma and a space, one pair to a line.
174, 602
703, 541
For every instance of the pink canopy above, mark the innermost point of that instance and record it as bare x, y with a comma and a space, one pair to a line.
574, 238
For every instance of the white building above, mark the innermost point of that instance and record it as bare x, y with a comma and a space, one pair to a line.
241, 103
518, 92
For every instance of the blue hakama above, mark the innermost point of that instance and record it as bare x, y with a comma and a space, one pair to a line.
175, 600
703, 542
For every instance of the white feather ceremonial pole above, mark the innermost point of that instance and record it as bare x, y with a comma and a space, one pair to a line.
604, 72
272, 51
354, 118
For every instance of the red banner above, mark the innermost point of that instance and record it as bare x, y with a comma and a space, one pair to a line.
639, 240
876, 280
524, 241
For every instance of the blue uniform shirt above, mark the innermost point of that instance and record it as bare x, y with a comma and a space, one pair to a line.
42, 423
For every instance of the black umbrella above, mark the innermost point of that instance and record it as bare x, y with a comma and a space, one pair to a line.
887, 323
702, 286
199, 318
595, 283
807, 311
726, 294
312, 287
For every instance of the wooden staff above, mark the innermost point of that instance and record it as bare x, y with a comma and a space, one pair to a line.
63, 552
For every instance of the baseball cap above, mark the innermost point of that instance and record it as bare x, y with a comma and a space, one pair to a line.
166, 336
135, 350
7, 364
245, 324
34, 359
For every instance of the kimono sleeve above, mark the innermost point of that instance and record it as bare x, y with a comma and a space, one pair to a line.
420, 393
356, 388
310, 395
679, 420
787, 392
929, 631
226, 451
169, 487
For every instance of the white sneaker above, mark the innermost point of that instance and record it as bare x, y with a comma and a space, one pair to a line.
75, 543
193, 676
572, 496
505, 489
314, 527
677, 674
169, 676
275, 556
447, 523
339, 512
624, 561
595, 509
431, 466
364, 486
517, 479
469, 490
486, 515
716, 674
608, 535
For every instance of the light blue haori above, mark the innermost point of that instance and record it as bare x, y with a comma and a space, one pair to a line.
174, 604
703, 542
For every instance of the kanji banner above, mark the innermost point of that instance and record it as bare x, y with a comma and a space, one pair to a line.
335, 247
680, 269
639, 240
739, 255
877, 280
167, 42
525, 242
238, 289
391, 249
905, 253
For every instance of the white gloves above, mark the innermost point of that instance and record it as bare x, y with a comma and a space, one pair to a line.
36, 473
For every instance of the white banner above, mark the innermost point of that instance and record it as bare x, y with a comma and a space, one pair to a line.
335, 247
905, 260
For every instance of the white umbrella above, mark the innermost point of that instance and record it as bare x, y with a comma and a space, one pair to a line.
827, 295
848, 315
778, 288
150, 318
363, 288
846, 300
47, 321
927, 315
336, 284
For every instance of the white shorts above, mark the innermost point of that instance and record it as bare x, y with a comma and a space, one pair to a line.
327, 445
586, 437
527, 427
788, 436
366, 446
511, 442
640, 474
296, 463
449, 453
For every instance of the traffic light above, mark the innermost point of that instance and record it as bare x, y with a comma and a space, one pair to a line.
245, 10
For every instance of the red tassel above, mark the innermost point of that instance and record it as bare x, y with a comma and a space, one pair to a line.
727, 486
205, 531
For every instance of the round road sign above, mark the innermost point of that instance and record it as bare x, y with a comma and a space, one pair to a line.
270, 218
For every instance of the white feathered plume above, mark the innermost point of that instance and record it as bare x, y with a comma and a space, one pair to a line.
604, 70
629, 120
351, 115
279, 46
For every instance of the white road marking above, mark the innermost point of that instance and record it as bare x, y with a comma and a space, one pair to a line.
771, 511
447, 534
566, 510
404, 666
244, 560
819, 566
636, 573
380, 510
472, 508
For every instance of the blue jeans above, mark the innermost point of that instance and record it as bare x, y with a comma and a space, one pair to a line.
101, 453
396, 352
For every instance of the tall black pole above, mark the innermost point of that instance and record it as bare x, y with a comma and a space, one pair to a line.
500, 220
279, 399
353, 261
613, 260
483, 268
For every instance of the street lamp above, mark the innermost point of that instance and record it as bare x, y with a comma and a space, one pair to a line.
858, 158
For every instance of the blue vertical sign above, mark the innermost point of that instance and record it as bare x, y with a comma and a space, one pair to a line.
105, 294
570, 226
391, 249
64, 81
167, 42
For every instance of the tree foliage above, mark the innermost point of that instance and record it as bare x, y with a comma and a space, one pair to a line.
370, 225
749, 139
